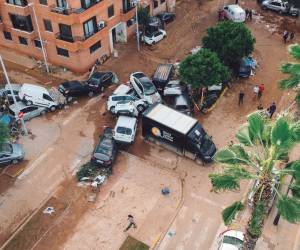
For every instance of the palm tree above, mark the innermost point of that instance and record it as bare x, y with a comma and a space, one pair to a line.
263, 146
293, 69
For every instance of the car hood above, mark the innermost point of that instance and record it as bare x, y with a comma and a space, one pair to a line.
151, 99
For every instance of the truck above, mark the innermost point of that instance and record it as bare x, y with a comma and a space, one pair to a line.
162, 76
178, 132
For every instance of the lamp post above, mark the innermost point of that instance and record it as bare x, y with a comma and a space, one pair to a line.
13, 95
137, 24
40, 37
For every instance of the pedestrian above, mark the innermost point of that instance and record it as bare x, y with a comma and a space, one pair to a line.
285, 36
292, 35
131, 223
250, 14
260, 107
247, 14
261, 89
272, 109
241, 97
255, 90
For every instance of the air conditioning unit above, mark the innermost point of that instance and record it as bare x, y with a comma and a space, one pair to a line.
101, 24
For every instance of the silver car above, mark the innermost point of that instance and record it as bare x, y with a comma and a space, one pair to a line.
279, 6
29, 111
11, 153
173, 88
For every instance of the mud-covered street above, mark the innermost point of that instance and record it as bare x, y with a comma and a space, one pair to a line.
190, 216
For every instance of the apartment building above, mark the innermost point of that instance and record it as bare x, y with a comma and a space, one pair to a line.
75, 32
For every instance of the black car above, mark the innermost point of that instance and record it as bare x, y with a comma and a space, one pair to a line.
106, 149
166, 17
72, 89
100, 80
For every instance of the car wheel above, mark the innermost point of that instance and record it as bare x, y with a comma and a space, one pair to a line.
140, 108
15, 161
153, 43
28, 103
91, 93
52, 108
112, 109
43, 112
164, 36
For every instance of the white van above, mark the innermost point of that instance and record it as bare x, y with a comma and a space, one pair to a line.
36, 95
125, 129
234, 13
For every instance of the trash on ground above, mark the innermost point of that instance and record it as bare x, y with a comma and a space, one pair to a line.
49, 210
171, 233
165, 191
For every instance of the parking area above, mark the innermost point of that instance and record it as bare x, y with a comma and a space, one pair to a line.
190, 216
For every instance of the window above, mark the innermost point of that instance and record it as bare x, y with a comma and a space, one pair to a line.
95, 46
65, 32
37, 43
155, 4
17, 2
129, 23
7, 35
48, 25
88, 3
162, 1
21, 22
23, 40
90, 27
43, 2
111, 11
47, 97
62, 52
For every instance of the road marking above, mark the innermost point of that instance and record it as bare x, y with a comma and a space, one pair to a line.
35, 163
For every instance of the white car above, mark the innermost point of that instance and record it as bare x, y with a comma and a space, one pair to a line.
122, 89
125, 129
144, 87
235, 13
112, 101
127, 108
231, 240
155, 37
173, 88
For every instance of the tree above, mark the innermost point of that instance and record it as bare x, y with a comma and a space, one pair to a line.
231, 41
4, 133
293, 69
203, 69
263, 146
143, 17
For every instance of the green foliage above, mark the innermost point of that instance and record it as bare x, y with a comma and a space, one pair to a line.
243, 136
229, 213
4, 133
231, 41
232, 155
238, 171
295, 131
295, 188
257, 219
224, 182
256, 126
293, 70
280, 134
203, 69
289, 208
143, 16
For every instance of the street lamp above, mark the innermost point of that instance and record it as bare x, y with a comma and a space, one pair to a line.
12, 94
136, 2
39, 34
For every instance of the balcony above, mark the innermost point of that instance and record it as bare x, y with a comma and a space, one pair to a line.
127, 14
76, 43
70, 16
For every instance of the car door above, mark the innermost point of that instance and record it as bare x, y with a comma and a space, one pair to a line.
138, 88
48, 101
106, 79
273, 6
27, 112
34, 111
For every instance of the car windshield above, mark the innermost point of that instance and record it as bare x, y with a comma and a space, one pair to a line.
104, 147
233, 241
148, 86
123, 130
6, 147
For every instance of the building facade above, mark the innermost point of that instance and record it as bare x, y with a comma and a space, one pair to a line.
75, 32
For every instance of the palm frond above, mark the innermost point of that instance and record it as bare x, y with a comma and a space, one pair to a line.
295, 188
224, 182
289, 208
243, 136
295, 131
294, 168
234, 154
256, 125
290, 82
239, 172
229, 213
280, 134
294, 51
257, 219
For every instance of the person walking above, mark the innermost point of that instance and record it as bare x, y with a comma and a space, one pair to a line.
255, 90
247, 14
272, 109
261, 89
285, 36
292, 35
250, 14
131, 223
241, 97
